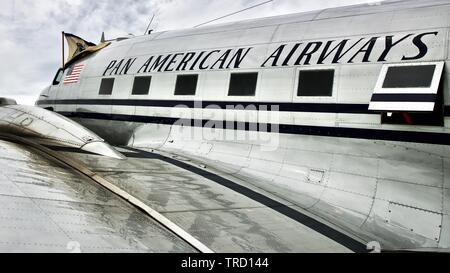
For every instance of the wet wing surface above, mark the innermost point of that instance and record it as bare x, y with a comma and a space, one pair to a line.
47, 208
219, 216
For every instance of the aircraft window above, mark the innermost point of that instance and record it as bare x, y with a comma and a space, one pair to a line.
58, 77
409, 76
316, 83
186, 85
106, 86
141, 85
243, 84
410, 87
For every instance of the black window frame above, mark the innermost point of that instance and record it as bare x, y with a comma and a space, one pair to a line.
57, 80
239, 93
316, 83
179, 88
101, 92
407, 101
133, 90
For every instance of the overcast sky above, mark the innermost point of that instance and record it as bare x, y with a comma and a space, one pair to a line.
30, 30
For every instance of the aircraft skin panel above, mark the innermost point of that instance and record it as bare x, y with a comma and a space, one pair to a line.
47, 208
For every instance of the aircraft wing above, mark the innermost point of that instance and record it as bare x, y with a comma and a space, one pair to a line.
48, 206
64, 189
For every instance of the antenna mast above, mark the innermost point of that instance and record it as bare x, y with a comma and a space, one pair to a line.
149, 25
63, 47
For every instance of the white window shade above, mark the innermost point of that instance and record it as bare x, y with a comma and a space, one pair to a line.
411, 87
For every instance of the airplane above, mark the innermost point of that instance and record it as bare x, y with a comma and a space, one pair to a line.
336, 122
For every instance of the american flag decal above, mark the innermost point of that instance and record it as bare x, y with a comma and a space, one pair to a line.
73, 74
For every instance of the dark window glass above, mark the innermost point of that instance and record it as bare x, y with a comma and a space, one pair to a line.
243, 84
106, 87
141, 85
58, 77
316, 83
409, 76
186, 85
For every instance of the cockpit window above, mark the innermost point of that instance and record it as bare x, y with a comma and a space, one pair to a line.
58, 77
409, 76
